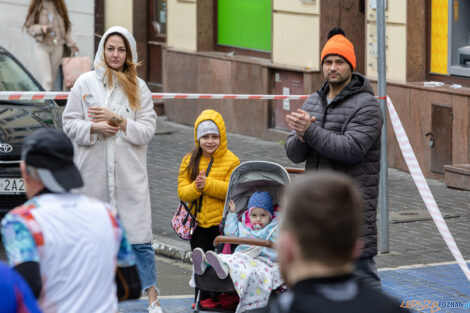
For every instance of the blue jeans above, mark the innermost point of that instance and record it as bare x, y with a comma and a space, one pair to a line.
145, 259
366, 272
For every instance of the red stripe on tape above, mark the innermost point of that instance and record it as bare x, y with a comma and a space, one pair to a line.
38, 97
16, 96
62, 96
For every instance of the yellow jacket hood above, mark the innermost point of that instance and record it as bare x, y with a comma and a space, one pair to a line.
219, 121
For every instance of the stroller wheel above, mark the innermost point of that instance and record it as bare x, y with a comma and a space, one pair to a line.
220, 268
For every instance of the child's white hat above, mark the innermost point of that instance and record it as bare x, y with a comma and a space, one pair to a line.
206, 127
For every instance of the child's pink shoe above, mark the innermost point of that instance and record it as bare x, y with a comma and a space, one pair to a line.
220, 268
199, 262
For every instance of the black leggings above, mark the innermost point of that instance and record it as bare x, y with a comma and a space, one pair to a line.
204, 237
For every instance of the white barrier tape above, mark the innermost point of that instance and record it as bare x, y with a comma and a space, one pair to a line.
33, 95
423, 188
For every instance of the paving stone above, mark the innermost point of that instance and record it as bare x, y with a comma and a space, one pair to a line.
441, 288
444, 285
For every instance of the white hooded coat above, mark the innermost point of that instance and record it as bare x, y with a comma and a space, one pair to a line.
114, 169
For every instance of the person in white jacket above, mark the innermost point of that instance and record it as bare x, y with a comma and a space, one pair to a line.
48, 23
109, 117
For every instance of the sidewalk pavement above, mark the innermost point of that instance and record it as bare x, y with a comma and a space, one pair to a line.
429, 289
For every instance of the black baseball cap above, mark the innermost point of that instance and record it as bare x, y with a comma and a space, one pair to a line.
50, 152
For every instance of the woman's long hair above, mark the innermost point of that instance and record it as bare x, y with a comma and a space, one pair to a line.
127, 79
193, 165
34, 10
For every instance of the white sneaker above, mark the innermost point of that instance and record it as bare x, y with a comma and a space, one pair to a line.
155, 307
220, 268
199, 262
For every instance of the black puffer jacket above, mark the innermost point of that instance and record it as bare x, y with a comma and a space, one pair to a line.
333, 295
345, 137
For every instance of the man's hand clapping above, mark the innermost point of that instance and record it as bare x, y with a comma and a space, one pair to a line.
299, 121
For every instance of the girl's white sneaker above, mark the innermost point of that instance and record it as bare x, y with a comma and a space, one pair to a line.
199, 262
220, 268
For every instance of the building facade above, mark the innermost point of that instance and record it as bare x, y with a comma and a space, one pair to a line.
273, 47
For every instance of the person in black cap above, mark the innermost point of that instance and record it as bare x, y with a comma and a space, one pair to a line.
66, 245
47, 157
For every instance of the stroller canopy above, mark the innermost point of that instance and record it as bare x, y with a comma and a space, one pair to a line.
253, 176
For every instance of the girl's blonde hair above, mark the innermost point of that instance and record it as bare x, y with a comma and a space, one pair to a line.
33, 12
127, 79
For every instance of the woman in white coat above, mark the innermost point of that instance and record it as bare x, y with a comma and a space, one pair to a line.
110, 119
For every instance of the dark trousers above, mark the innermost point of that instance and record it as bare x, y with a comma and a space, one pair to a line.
203, 238
366, 271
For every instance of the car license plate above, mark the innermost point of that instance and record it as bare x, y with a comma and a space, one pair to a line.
10, 186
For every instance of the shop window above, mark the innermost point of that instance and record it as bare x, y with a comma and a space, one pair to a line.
450, 38
156, 40
159, 17
244, 26
459, 38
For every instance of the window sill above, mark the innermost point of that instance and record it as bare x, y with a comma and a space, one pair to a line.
463, 91
449, 79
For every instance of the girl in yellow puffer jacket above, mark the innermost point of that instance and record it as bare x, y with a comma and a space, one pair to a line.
211, 145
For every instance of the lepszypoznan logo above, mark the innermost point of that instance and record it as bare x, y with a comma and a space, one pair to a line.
5, 148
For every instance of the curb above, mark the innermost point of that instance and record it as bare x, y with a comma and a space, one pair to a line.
177, 249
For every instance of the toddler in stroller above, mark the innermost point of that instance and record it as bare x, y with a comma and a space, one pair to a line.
253, 270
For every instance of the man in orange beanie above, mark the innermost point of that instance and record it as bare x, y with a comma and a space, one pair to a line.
338, 128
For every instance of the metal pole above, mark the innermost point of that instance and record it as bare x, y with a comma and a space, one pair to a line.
382, 86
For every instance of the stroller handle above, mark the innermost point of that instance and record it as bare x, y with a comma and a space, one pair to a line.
243, 241
295, 170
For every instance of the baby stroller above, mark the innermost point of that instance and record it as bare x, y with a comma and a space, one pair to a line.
245, 179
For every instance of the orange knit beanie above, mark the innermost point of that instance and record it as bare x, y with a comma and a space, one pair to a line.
338, 44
